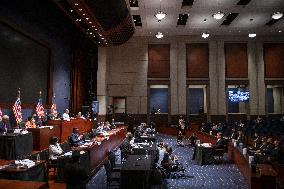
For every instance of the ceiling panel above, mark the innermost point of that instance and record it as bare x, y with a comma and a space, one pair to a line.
259, 10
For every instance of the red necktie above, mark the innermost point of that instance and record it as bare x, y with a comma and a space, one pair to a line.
5, 127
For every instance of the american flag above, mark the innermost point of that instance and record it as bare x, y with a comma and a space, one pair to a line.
40, 108
53, 109
1, 114
17, 109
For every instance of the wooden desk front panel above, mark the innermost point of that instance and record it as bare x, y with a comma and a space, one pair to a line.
41, 136
66, 127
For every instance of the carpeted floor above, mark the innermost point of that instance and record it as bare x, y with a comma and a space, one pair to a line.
221, 176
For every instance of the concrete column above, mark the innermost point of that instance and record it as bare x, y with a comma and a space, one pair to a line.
181, 82
213, 82
101, 81
260, 79
222, 106
174, 79
252, 76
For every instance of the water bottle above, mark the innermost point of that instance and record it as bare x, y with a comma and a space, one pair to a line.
38, 158
146, 157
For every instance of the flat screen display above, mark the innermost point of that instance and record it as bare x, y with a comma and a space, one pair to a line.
238, 95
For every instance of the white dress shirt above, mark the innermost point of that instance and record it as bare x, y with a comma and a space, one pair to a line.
54, 151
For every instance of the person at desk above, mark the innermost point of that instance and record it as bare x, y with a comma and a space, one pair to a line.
30, 123
80, 116
53, 116
106, 126
126, 148
75, 138
54, 148
100, 127
113, 126
5, 124
221, 143
66, 116
75, 174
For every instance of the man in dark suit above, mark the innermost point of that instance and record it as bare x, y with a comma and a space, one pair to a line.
75, 138
221, 143
5, 124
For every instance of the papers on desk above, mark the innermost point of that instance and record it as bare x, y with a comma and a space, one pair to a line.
42, 127
20, 131
26, 162
87, 144
3, 167
68, 154
206, 145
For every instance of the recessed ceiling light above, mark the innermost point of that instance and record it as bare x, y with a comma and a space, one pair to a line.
277, 15
160, 15
252, 35
279, 31
204, 20
218, 15
205, 35
159, 35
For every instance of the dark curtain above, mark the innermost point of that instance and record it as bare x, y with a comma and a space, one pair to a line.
159, 99
270, 100
195, 100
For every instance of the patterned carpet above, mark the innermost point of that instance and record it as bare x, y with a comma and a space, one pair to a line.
221, 176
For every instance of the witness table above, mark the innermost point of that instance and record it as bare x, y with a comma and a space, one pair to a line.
204, 155
135, 172
148, 138
98, 153
34, 173
95, 154
63, 161
13, 146
148, 148
66, 127
42, 135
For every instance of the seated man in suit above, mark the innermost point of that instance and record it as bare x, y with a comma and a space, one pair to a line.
75, 138
125, 147
5, 124
221, 143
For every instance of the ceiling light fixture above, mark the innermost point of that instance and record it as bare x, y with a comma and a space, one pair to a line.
218, 15
252, 35
279, 31
159, 35
205, 35
277, 15
160, 15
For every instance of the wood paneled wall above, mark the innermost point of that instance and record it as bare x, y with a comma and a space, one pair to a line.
197, 60
159, 61
273, 56
236, 60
